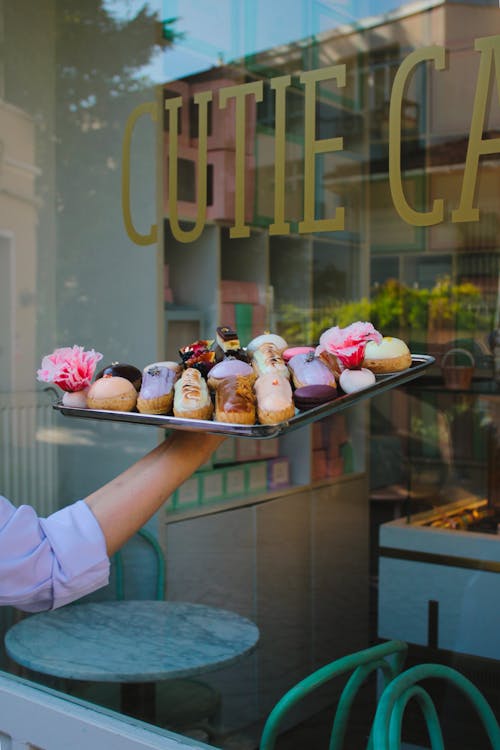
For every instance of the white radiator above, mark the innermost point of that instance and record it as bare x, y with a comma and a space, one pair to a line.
28, 458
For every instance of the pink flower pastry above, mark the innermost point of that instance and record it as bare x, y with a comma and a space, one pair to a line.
70, 368
348, 344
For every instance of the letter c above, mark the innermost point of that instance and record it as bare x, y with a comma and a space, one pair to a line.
407, 213
150, 108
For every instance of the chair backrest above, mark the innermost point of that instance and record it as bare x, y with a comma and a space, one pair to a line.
388, 658
120, 567
404, 687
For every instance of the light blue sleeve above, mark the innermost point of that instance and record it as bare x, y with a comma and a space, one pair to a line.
48, 562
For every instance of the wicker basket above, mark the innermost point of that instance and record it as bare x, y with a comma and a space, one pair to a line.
457, 377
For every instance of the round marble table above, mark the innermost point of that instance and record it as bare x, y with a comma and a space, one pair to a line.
131, 642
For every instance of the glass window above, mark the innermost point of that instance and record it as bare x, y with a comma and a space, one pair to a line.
168, 168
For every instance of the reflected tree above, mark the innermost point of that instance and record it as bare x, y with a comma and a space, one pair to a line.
100, 76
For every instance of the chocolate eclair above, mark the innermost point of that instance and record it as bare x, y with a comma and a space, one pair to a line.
235, 401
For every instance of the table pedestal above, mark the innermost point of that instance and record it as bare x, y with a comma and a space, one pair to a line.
138, 699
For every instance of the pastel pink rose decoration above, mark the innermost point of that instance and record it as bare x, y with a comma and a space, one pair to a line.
348, 344
71, 368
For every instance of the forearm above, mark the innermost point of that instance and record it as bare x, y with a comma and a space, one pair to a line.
127, 502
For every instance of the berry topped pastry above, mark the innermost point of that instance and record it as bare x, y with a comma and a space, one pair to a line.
199, 355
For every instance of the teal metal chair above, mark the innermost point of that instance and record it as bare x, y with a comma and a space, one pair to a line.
398, 687
386, 658
404, 687
119, 569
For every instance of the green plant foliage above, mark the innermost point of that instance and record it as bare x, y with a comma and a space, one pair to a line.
394, 307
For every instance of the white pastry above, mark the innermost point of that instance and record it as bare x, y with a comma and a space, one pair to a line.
355, 380
267, 338
391, 355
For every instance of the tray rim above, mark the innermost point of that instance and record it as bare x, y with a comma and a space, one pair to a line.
420, 362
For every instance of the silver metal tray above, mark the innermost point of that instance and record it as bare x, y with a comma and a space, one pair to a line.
420, 362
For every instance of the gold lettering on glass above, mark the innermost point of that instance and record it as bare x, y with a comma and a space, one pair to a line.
173, 105
280, 85
407, 213
313, 147
240, 93
488, 80
151, 109
477, 146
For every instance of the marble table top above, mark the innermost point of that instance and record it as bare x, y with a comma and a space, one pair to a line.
130, 641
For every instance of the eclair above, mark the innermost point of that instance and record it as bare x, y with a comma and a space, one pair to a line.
157, 391
191, 396
306, 369
274, 398
230, 367
235, 401
267, 338
170, 364
267, 359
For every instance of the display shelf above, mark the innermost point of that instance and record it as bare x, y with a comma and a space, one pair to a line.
180, 312
173, 516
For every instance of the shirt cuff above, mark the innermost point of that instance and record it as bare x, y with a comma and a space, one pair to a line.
81, 563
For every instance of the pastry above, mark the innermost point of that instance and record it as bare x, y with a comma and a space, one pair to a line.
76, 399
293, 350
235, 401
309, 396
129, 372
267, 359
348, 344
227, 339
352, 381
306, 369
227, 344
274, 398
191, 396
267, 338
199, 355
113, 393
227, 368
176, 367
157, 391
331, 361
390, 355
